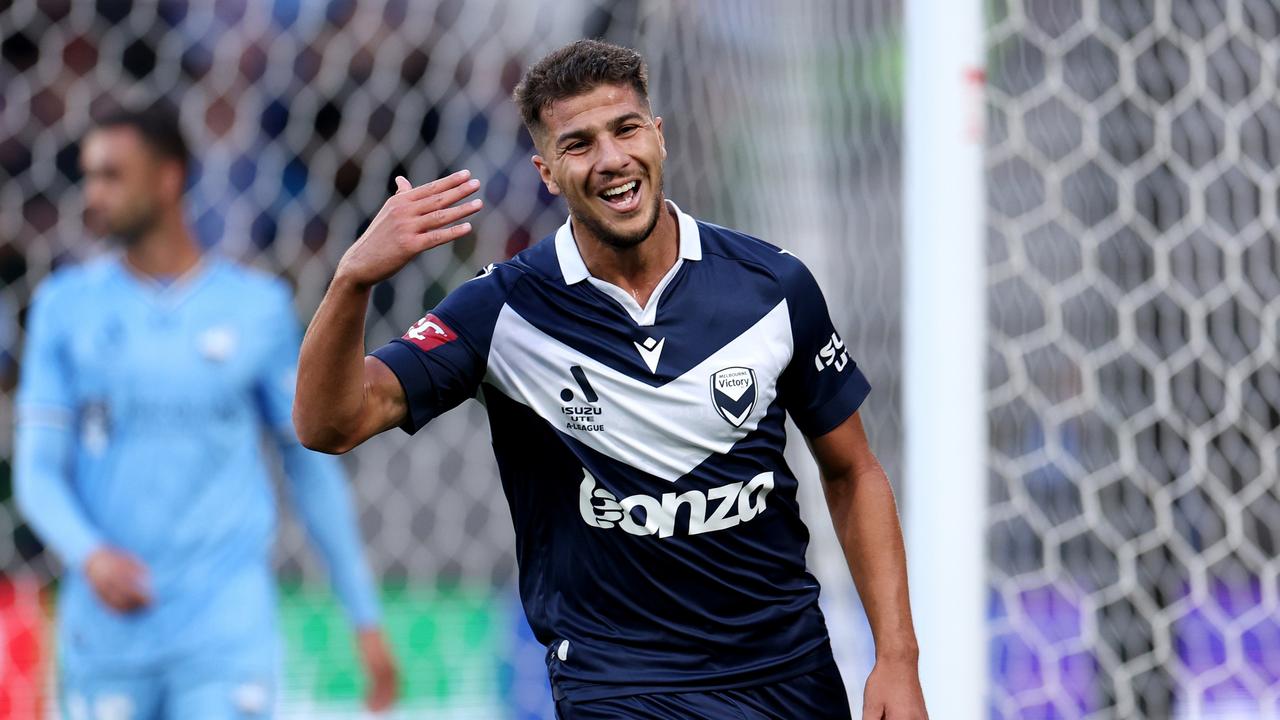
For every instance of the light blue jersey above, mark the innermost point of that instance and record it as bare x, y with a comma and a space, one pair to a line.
141, 412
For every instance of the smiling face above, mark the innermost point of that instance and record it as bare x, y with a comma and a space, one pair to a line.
603, 151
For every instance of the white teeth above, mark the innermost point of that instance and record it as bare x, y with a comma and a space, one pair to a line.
620, 189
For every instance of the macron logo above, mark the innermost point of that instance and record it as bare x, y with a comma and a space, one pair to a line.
650, 352
430, 332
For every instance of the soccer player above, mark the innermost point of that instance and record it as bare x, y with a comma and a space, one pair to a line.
147, 381
636, 367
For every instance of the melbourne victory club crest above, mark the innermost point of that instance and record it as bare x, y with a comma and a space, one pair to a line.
733, 392
430, 332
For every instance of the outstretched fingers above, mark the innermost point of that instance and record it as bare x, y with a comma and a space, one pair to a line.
431, 209
448, 215
435, 187
440, 236
445, 198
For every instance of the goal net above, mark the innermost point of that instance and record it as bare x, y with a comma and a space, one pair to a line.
782, 119
1133, 369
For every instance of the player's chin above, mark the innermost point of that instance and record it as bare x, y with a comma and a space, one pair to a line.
620, 233
95, 223
627, 232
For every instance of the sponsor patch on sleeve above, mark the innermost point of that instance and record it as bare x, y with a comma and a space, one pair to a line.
430, 332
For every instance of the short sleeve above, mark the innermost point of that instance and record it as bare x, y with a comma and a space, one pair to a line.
441, 359
822, 386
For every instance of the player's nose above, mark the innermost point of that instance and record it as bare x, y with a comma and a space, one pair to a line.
93, 194
612, 157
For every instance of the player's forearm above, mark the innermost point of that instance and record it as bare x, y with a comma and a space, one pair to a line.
322, 496
330, 399
43, 492
866, 522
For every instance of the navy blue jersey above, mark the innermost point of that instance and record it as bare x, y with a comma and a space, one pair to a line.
641, 452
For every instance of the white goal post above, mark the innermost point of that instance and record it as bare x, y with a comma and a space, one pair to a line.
944, 337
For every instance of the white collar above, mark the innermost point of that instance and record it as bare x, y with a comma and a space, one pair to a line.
575, 270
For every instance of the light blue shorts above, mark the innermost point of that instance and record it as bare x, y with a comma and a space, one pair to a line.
189, 689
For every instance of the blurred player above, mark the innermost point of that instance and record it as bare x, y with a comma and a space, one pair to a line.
147, 381
637, 368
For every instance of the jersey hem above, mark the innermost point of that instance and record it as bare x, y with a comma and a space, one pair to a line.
586, 691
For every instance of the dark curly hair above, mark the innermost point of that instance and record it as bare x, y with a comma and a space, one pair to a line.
573, 70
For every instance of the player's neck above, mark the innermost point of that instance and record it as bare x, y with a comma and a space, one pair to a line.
167, 250
637, 269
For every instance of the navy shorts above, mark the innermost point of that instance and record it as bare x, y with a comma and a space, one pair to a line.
816, 695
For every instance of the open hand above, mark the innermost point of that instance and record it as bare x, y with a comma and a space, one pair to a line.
413, 220
118, 578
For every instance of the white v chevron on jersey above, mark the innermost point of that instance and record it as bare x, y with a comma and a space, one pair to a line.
665, 431
650, 352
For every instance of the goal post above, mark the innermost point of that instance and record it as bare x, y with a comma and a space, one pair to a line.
944, 335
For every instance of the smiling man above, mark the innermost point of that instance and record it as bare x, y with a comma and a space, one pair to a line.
637, 368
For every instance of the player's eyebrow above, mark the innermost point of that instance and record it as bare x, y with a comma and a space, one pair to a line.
106, 169
585, 134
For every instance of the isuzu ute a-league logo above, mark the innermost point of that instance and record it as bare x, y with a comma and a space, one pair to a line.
430, 332
733, 392
584, 416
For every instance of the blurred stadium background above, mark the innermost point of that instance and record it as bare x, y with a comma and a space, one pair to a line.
1133, 366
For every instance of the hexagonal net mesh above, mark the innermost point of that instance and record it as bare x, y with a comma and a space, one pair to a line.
781, 119
1134, 369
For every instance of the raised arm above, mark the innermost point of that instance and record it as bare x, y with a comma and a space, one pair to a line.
343, 397
866, 522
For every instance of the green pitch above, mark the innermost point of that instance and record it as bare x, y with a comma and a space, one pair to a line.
450, 643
